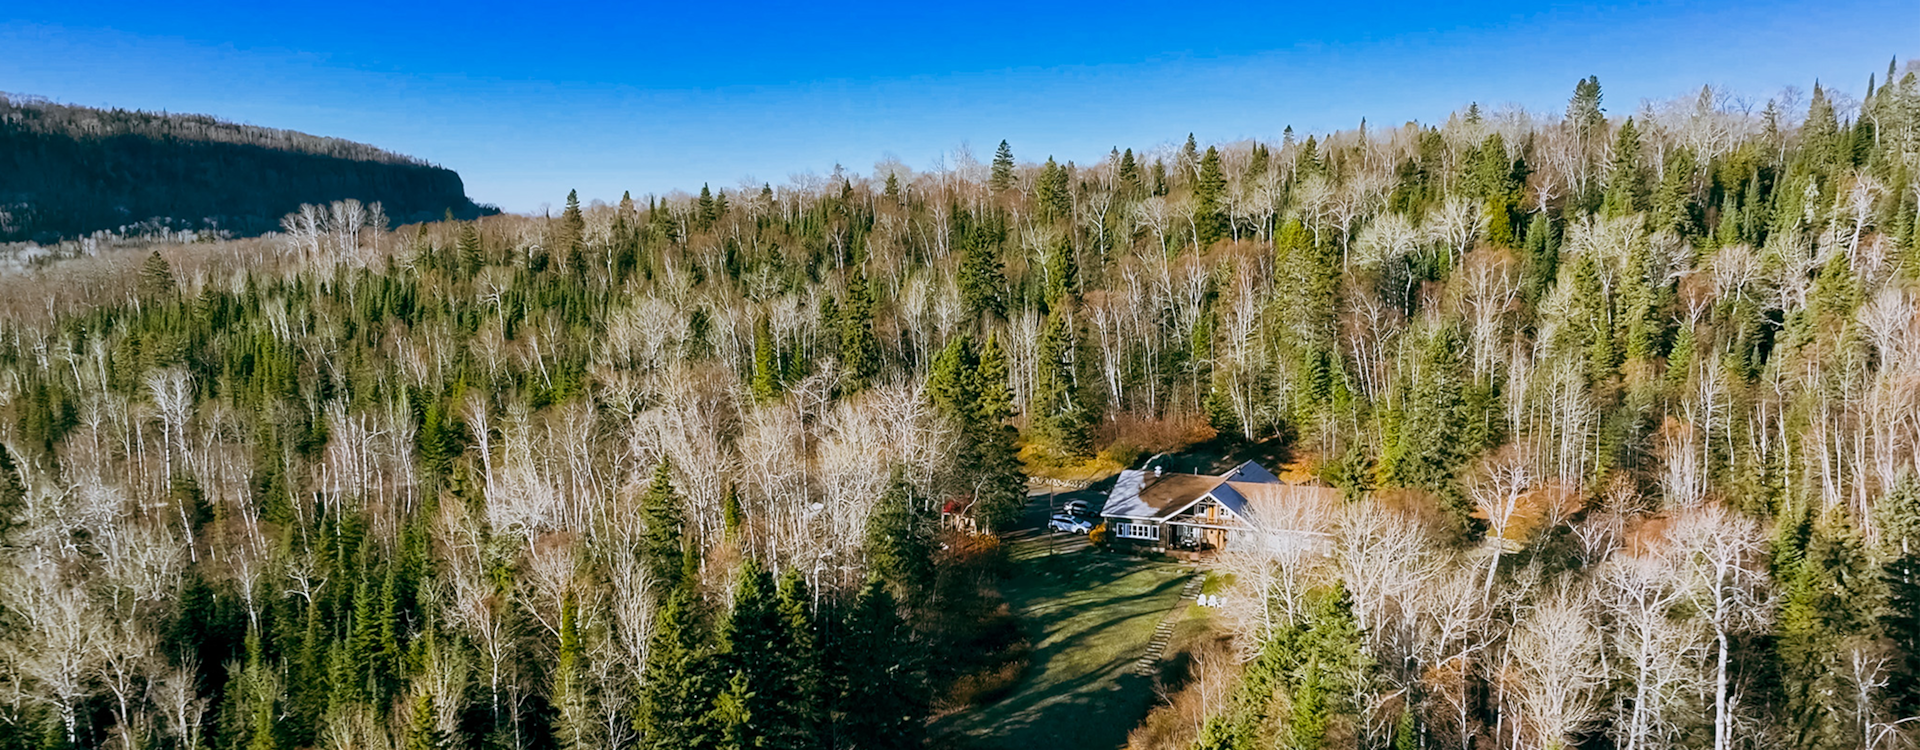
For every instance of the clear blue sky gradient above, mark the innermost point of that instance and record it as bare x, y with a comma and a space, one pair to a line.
527, 102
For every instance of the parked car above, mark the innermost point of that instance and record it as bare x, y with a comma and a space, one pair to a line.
1076, 508
1069, 524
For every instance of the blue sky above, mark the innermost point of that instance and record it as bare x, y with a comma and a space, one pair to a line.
528, 101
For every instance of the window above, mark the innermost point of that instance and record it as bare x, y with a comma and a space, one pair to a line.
1136, 531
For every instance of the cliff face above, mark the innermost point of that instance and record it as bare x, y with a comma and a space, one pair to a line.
68, 170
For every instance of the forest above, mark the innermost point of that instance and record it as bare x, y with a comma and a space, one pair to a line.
1623, 403
68, 171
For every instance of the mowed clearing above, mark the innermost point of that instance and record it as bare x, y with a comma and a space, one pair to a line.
1090, 616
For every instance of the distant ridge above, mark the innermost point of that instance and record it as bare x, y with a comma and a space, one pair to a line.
68, 170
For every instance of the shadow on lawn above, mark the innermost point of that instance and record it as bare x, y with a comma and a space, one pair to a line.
1090, 616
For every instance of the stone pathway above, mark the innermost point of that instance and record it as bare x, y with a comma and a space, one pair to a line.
1150, 661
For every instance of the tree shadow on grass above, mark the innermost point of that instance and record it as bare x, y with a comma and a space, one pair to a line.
1090, 617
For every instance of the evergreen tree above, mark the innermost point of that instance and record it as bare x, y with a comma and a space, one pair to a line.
1832, 598
1060, 411
859, 347
664, 514
1055, 196
472, 257
893, 186
1002, 176
1626, 182
1898, 514
899, 548
1210, 218
571, 241
677, 689
570, 721
882, 696
1583, 110
423, 731
156, 277
982, 285
13, 496
767, 371
1063, 275
750, 640
798, 691
1428, 437
1130, 184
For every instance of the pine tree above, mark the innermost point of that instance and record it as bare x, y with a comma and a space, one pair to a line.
893, 186
1002, 176
664, 514
1054, 195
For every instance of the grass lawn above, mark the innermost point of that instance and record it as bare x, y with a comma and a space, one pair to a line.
1089, 615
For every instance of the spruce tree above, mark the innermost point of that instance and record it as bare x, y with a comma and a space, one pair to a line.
1832, 599
899, 547
1054, 194
859, 347
884, 701
1427, 441
571, 241
673, 710
1130, 185
664, 515
1626, 182
156, 277
767, 371
1060, 411
750, 638
982, 284
1002, 176
798, 691
1898, 514
1210, 218
1000, 482
13, 496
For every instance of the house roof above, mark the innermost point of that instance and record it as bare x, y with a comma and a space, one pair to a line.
1141, 495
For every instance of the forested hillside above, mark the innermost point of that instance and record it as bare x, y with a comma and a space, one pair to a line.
1625, 405
68, 170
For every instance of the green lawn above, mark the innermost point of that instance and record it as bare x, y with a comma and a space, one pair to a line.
1089, 615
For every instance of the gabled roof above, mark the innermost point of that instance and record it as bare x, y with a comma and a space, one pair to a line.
1138, 494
